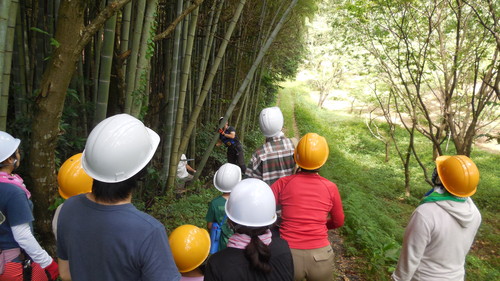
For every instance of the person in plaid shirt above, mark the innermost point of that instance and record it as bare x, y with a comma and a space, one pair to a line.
274, 159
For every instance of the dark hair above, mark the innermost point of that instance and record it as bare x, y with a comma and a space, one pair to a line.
115, 192
435, 178
309, 171
256, 251
12, 156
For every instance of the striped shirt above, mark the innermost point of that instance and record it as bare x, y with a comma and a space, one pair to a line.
272, 160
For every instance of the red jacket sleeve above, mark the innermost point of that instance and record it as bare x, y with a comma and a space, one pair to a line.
337, 212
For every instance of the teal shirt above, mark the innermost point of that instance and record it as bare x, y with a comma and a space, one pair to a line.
216, 213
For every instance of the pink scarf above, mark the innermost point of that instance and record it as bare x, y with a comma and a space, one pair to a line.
15, 180
240, 241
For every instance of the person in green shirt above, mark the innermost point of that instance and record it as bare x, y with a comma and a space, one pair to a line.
225, 179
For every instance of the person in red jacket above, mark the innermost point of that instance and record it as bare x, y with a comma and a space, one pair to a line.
310, 205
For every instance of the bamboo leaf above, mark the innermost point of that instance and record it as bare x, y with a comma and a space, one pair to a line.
40, 31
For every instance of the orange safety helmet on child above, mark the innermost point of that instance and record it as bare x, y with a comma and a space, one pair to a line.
190, 246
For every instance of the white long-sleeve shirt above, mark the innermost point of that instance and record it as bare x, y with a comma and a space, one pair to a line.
437, 239
26, 240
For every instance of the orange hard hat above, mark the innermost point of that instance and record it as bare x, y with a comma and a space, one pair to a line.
72, 178
311, 152
458, 174
190, 246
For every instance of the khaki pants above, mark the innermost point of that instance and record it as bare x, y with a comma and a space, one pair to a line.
313, 264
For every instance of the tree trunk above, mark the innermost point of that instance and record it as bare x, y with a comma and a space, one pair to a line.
132, 71
49, 106
20, 71
172, 99
125, 33
186, 68
72, 38
7, 27
207, 45
208, 82
145, 52
107, 52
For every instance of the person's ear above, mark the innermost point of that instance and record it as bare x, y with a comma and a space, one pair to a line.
11, 160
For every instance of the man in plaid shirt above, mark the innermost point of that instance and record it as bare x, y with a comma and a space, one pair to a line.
274, 159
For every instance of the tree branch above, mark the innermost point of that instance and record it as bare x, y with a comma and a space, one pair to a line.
97, 23
172, 26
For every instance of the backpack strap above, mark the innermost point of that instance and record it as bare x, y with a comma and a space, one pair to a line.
224, 219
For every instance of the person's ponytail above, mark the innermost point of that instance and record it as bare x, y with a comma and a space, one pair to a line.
257, 252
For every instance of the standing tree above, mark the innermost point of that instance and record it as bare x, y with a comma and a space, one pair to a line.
71, 37
437, 55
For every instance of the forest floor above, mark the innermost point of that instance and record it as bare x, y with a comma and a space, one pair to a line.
346, 268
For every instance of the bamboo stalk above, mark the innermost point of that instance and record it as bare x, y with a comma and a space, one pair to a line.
245, 83
107, 51
6, 71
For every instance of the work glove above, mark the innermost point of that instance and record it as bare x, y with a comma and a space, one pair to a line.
221, 131
52, 270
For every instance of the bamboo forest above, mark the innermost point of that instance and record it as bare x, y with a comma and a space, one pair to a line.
391, 85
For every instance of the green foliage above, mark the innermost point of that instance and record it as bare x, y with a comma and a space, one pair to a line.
57, 201
70, 140
477, 267
287, 50
52, 40
187, 210
287, 98
269, 87
150, 186
253, 139
488, 191
204, 135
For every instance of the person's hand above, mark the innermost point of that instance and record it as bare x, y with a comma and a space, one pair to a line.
52, 270
221, 131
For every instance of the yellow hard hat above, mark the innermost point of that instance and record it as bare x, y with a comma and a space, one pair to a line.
72, 178
311, 152
190, 246
458, 174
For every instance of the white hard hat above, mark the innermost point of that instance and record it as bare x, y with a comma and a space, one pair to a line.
8, 145
118, 148
252, 204
227, 177
271, 121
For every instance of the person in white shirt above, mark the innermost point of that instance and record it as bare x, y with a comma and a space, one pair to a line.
441, 230
184, 171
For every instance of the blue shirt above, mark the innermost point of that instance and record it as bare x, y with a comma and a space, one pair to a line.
15, 206
113, 242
